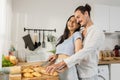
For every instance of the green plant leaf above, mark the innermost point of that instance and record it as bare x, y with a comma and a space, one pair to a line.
52, 51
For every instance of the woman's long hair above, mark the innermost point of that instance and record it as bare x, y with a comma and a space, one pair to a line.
66, 32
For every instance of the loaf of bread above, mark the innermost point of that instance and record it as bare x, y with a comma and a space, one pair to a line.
14, 77
43, 71
27, 70
28, 75
35, 71
15, 70
36, 74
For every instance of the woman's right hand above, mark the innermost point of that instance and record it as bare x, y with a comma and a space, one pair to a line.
53, 58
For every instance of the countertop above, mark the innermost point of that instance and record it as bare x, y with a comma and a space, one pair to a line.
109, 61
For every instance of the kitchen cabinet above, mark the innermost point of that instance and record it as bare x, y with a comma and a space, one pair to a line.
107, 17
101, 17
109, 69
114, 19
115, 71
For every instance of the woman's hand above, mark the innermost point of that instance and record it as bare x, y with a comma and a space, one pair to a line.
60, 67
53, 58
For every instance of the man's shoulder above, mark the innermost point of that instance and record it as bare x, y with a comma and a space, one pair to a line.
96, 28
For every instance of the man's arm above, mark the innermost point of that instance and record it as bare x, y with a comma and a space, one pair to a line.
93, 43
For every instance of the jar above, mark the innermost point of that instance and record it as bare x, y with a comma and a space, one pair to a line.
4, 76
116, 51
1, 76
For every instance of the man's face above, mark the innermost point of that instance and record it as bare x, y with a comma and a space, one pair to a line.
81, 18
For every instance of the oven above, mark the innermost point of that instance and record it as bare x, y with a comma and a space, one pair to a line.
103, 72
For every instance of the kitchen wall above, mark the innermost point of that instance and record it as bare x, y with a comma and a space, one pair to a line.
48, 15
111, 39
41, 14
0, 27
5, 26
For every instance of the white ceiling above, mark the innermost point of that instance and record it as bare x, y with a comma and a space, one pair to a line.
108, 2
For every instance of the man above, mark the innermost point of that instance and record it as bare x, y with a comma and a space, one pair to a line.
87, 57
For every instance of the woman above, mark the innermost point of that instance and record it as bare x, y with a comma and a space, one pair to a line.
69, 43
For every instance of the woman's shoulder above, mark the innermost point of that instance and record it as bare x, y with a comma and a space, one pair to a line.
77, 33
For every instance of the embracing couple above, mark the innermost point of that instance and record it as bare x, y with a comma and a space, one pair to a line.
77, 50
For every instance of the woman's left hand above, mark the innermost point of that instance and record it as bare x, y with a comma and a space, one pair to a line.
60, 67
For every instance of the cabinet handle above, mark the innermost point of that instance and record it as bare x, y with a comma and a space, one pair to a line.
117, 31
104, 30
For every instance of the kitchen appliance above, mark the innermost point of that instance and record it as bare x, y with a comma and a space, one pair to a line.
103, 72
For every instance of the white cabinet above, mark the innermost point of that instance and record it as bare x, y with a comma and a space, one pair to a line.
107, 17
114, 19
101, 17
115, 71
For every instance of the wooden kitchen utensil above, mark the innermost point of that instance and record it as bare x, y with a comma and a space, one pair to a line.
35, 39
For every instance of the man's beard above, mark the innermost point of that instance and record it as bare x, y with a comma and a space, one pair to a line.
79, 24
84, 25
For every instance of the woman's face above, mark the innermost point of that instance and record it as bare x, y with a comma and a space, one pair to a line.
81, 18
72, 24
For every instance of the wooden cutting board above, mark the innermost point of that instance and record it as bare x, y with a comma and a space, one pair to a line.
43, 77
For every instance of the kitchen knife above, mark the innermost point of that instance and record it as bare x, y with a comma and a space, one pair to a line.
45, 63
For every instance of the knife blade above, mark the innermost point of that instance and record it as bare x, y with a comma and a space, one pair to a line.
45, 63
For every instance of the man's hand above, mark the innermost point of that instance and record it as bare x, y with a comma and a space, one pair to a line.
60, 67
